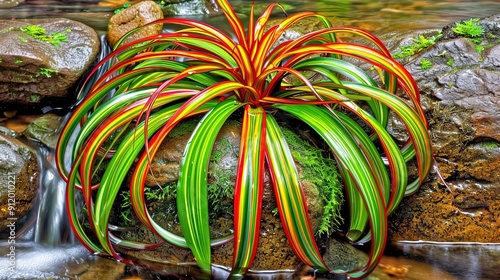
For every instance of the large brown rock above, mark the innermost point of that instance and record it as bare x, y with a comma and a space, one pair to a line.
36, 68
274, 251
19, 176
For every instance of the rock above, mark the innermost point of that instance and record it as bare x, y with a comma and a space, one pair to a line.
133, 17
304, 26
274, 251
341, 256
18, 179
37, 261
190, 7
45, 129
40, 64
461, 96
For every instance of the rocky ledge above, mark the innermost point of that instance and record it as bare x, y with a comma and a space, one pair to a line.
459, 79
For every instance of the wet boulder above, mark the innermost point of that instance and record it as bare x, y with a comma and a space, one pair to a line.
461, 94
19, 176
41, 59
132, 17
273, 252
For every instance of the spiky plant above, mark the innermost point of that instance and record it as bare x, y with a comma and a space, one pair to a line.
156, 82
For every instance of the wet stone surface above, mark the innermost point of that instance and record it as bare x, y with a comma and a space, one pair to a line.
45, 129
132, 17
41, 59
465, 261
461, 96
18, 181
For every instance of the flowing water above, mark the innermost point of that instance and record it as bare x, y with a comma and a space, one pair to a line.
48, 250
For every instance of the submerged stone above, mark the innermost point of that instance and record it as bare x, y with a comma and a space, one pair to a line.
45, 129
466, 261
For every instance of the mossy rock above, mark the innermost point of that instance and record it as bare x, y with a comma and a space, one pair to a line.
41, 61
320, 182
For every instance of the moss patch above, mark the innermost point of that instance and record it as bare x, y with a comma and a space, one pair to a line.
322, 172
419, 44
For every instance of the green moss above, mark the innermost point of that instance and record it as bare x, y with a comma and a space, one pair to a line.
162, 197
126, 5
47, 72
18, 60
489, 144
35, 31
34, 97
39, 33
472, 30
469, 29
322, 172
57, 38
126, 212
420, 43
425, 64
450, 61
275, 212
158, 193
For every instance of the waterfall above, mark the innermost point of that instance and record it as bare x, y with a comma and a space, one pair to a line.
48, 222
52, 225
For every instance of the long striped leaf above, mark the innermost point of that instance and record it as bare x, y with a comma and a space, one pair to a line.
348, 155
249, 187
192, 197
290, 197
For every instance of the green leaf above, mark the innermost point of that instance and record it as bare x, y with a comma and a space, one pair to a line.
348, 155
249, 188
192, 198
290, 198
